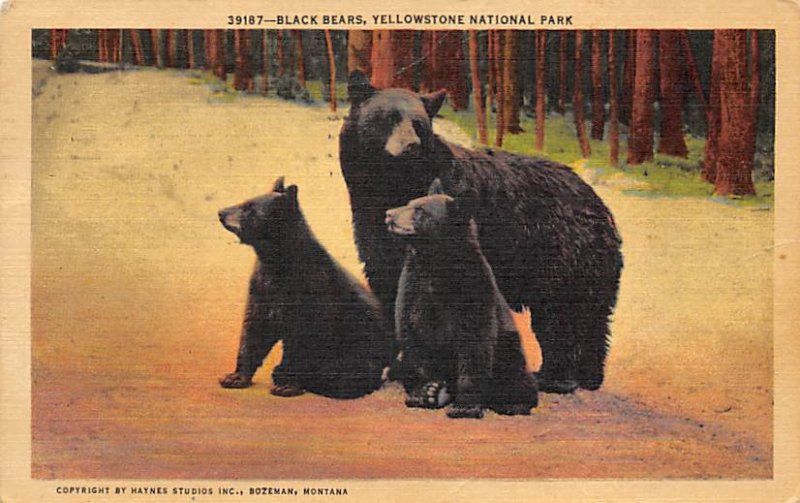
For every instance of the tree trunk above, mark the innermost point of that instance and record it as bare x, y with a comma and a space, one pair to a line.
640, 138
190, 49
332, 69
264, 62
219, 55
511, 92
562, 71
477, 88
735, 160
281, 56
671, 82
427, 74
55, 43
136, 42
598, 100
541, 75
499, 61
359, 50
300, 56
243, 73
491, 70
172, 48
628, 77
448, 69
709, 172
155, 38
580, 121
613, 120
392, 59
755, 86
101, 46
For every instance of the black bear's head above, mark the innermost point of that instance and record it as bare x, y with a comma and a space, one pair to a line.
391, 122
434, 216
264, 218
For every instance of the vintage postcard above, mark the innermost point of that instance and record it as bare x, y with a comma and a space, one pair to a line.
417, 252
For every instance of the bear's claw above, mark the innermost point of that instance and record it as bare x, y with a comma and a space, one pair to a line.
287, 390
432, 395
235, 380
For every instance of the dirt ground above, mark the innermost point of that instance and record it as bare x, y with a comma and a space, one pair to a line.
138, 295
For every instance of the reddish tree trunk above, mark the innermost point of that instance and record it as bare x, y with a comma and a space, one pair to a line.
219, 55
190, 49
477, 88
450, 70
243, 74
300, 55
136, 42
155, 39
55, 43
101, 46
628, 77
577, 101
709, 172
427, 74
332, 71
499, 61
359, 51
281, 56
640, 139
264, 63
598, 100
755, 86
613, 120
562, 71
511, 90
541, 75
735, 159
172, 48
392, 59
671, 83
491, 69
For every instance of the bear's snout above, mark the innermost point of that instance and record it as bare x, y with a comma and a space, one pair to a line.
403, 140
229, 218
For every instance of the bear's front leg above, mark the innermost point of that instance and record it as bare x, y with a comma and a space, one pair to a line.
422, 378
472, 378
260, 332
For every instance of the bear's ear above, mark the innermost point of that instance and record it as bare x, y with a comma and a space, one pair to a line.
278, 185
358, 88
433, 102
291, 192
436, 187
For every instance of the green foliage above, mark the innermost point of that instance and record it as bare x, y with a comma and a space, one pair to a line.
319, 91
664, 176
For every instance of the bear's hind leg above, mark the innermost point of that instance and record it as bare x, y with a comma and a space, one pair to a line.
592, 351
555, 331
514, 391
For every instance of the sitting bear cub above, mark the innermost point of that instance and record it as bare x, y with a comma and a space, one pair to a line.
335, 341
454, 327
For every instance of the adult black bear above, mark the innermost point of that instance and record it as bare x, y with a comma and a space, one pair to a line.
550, 240
454, 327
335, 341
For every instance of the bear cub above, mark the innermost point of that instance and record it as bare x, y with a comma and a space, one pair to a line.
454, 327
335, 341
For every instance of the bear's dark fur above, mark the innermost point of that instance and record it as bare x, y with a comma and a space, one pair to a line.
453, 325
335, 341
550, 240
